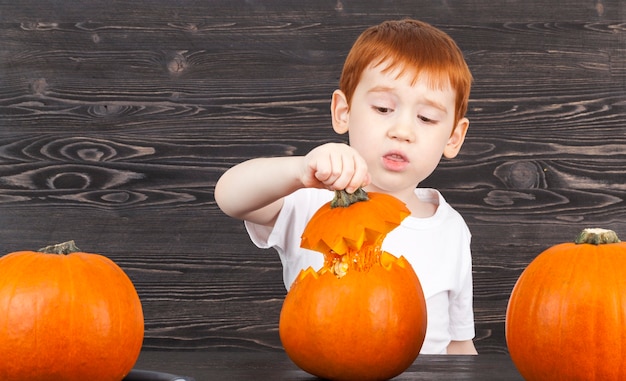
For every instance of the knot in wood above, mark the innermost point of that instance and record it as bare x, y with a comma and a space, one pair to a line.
177, 64
39, 86
521, 175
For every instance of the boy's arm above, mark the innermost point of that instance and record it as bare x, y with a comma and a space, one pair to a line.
465, 347
254, 189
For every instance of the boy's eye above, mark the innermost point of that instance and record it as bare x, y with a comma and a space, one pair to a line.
382, 110
425, 119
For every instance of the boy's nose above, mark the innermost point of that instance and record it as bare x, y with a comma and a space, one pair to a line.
402, 130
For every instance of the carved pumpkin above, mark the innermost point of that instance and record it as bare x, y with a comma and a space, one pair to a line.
363, 315
565, 318
67, 316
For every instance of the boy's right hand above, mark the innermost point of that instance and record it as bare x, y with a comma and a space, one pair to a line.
335, 166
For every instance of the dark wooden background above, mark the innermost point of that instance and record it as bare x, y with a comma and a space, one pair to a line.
117, 118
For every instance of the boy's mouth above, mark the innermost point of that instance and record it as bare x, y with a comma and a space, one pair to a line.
395, 161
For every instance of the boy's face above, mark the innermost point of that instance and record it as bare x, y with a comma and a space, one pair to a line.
401, 127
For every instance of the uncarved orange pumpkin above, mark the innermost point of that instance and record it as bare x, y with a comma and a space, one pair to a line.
363, 315
67, 316
567, 312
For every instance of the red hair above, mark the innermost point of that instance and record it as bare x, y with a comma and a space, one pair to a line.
413, 46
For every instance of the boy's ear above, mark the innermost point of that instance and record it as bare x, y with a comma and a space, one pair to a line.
340, 112
456, 139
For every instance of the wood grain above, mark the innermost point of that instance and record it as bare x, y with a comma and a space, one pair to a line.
247, 365
117, 118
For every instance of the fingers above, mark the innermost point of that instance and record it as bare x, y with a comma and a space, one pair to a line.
337, 172
338, 166
361, 178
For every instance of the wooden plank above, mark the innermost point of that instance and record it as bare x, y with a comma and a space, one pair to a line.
117, 118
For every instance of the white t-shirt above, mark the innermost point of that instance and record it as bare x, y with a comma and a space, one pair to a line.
438, 248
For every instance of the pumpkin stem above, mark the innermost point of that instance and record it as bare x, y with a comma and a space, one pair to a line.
344, 199
597, 236
60, 248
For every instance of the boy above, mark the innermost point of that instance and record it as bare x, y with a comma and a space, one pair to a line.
402, 100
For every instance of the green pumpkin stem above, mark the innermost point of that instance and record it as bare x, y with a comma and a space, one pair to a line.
60, 248
344, 199
597, 236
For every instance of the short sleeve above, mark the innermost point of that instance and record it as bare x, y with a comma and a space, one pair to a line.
461, 303
285, 236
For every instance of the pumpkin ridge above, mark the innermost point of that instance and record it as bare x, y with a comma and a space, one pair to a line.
568, 306
67, 316
341, 228
362, 316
